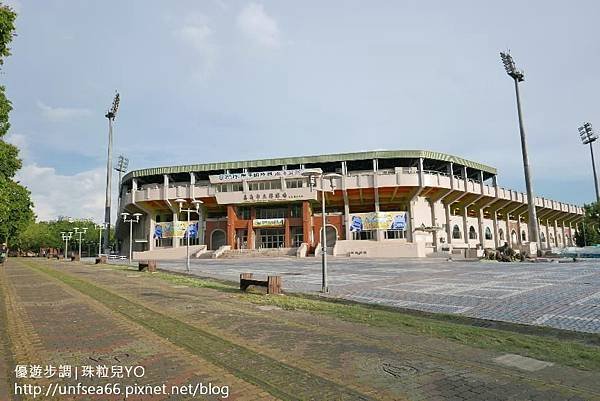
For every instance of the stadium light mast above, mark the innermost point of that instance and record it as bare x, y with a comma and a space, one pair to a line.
587, 135
519, 76
111, 114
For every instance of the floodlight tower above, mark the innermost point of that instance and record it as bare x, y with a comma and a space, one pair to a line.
519, 76
588, 136
111, 114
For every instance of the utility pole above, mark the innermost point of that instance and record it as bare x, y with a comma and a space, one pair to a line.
111, 114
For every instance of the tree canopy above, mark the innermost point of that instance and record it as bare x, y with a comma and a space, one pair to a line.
15, 204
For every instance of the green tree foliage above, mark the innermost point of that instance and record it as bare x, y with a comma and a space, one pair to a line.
591, 225
47, 234
15, 204
15, 209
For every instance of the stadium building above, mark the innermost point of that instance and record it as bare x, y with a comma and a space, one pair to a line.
404, 203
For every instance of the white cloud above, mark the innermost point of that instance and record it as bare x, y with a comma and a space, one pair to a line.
80, 195
20, 141
15, 5
198, 35
62, 113
260, 27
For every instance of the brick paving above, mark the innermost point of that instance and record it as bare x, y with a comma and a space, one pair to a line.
184, 326
62, 327
559, 295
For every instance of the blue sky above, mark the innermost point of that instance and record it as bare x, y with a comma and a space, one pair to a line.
221, 80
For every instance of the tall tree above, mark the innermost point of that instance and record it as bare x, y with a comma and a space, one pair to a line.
15, 203
588, 231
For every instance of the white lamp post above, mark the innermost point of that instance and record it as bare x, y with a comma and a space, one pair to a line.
196, 203
100, 228
135, 218
312, 175
66, 237
80, 232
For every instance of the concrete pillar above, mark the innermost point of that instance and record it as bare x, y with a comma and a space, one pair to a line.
306, 226
165, 187
556, 232
375, 185
508, 239
496, 239
448, 213
347, 220
421, 173
175, 239
519, 239
548, 243
151, 224
433, 223
192, 185
481, 184
572, 241
451, 173
465, 224
563, 234
231, 219
250, 228
287, 238
134, 188
481, 230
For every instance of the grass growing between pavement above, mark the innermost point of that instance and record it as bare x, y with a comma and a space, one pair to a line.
568, 352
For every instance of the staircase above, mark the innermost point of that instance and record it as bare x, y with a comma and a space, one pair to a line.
259, 253
205, 255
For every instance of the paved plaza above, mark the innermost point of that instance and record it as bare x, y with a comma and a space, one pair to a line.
560, 295
55, 313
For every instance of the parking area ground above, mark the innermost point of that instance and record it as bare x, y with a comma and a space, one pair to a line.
559, 295
186, 331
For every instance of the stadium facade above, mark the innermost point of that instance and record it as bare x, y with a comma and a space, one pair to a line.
405, 203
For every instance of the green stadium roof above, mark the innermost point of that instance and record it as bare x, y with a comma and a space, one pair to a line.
337, 157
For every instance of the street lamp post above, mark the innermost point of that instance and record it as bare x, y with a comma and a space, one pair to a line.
196, 203
587, 135
66, 237
312, 175
111, 114
519, 76
135, 218
100, 228
80, 232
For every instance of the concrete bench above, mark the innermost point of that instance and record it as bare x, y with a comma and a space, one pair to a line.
149, 265
272, 283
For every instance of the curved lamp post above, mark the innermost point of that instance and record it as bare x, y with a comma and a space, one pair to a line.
80, 232
135, 218
312, 175
66, 236
100, 228
196, 204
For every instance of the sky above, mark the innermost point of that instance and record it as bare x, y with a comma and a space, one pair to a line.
218, 80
